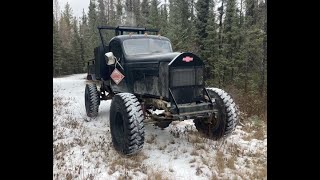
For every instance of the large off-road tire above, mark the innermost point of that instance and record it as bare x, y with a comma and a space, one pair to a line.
224, 121
92, 100
126, 123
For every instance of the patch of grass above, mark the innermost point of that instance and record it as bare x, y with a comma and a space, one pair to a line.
124, 177
184, 150
90, 177
247, 137
58, 105
204, 161
162, 147
213, 176
192, 160
220, 161
201, 146
230, 162
235, 150
60, 148
144, 169
251, 103
255, 130
128, 162
152, 139
194, 153
72, 123
195, 138
156, 175
172, 141
175, 134
235, 178
261, 174
259, 134
69, 176
198, 171
114, 163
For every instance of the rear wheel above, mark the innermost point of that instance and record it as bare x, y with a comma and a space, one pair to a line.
126, 123
224, 121
92, 100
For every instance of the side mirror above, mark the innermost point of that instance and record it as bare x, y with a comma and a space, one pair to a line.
111, 58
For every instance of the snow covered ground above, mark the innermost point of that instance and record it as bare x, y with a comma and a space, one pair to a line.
83, 147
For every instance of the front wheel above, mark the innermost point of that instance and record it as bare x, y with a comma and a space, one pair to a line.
224, 121
126, 123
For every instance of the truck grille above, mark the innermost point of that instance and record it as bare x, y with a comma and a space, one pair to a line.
185, 83
186, 77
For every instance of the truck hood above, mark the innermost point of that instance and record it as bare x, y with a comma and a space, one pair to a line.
152, 57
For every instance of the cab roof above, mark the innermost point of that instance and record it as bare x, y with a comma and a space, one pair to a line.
121, 38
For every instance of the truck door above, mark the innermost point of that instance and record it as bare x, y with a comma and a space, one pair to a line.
118, 76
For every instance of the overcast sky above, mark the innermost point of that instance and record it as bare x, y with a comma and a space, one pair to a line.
76, 5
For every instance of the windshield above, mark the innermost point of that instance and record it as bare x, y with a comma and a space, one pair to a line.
146, 46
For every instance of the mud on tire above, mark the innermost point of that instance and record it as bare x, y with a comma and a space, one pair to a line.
92, 100
126, 123
226, 118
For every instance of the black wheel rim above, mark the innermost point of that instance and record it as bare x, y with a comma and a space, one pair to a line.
214, 122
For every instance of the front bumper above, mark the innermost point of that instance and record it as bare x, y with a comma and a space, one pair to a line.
192, 110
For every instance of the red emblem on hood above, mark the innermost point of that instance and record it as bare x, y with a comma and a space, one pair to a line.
187, 59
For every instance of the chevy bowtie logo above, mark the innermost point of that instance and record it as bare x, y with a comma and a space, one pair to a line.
187, 59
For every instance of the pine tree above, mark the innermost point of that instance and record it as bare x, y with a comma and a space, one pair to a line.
77, 62
112, 13
174, 24
102, 17
202, 9
83, 33
130, 19
211, 47
192, 32
181, 29
231, 32
164, 18
119, 13
144, 12
184, 25
56, 50
65, 34
92, 24
154, 15
263, 75
253, 47
65, 26
137, 13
